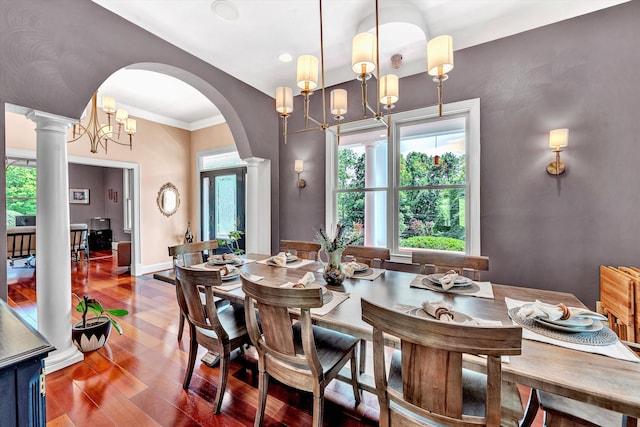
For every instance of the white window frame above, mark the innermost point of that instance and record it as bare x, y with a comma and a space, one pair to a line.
471, 109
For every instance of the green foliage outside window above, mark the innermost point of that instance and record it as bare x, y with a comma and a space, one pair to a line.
431, 219
21, 192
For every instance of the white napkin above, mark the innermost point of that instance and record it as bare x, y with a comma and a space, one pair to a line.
227, 270
539, 309
349, 268
306, 280
227, 257
438, 309
448, 279
280, 259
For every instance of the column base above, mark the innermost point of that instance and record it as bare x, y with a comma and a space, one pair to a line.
61, 359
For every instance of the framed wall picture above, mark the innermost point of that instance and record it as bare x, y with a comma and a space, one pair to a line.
79, 195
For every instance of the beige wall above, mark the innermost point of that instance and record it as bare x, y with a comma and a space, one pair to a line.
206, 139
165, 154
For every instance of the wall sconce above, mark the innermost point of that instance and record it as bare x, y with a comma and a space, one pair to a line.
558, 139
299, 167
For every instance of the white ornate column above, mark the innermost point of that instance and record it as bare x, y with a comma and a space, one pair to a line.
53, 257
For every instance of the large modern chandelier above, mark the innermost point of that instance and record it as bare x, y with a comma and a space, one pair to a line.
100, 134
364, 59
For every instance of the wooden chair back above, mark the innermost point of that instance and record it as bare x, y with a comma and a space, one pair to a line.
190, 285
191, 253
369, 255
431, 366
634, 273
401, 266
275, 336
300, 248
441, 262
617, 296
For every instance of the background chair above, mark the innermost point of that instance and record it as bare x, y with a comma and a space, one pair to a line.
618, 301
401, 266
367, 254
186, 255
426, 379
441, 262
302, 249
300, 355
218, 331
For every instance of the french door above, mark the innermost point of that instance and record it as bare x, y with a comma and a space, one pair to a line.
223, 203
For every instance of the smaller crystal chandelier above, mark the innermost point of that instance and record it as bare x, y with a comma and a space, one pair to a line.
99, 133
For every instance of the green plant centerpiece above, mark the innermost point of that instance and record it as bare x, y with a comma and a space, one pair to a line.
333, 246
91, 333
232, 242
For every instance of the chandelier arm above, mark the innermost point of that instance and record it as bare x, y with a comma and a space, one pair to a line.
365, 104
324, 106
316, 122
377, 63
440, 95
293, 132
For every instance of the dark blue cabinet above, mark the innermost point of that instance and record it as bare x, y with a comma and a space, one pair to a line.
22, 353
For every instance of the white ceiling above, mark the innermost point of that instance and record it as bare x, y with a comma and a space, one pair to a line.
248, 47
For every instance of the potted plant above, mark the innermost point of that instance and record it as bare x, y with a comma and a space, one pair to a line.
92, 333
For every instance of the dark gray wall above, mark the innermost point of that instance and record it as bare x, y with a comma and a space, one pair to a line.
98, 180
56, 54
539, 231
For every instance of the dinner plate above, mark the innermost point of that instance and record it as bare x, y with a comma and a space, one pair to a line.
219, 261
358, 266
457, 316
233, 275
459, 282
292, 258
594, 327
573, 322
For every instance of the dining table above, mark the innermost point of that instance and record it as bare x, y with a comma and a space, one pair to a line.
600, 380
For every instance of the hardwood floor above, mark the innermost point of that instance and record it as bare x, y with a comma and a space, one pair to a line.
136, 379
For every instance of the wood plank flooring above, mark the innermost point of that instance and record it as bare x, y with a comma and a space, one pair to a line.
136, 379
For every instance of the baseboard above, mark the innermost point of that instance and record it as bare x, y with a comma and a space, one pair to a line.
152, 268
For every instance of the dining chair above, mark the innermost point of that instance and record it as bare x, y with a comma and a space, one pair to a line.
302, 249
186, 255
562, 411
617, 298
634, 274
441, 262
219, 331
298, 354
369, 255
400, 266
426, 380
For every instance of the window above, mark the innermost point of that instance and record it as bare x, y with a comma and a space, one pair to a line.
21, 191
416, 190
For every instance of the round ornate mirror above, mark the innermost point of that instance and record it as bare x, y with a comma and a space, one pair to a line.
168, 199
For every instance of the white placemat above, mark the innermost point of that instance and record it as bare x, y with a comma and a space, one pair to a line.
617, 350
338, 298
484, 289
295, 264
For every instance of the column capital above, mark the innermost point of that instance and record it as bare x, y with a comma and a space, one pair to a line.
48, 121
253, 161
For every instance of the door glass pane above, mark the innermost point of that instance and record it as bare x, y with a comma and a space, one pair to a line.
433, 153
225, 205
368, 208
432, 219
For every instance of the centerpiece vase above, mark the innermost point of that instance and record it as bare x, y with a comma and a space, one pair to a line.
333, 273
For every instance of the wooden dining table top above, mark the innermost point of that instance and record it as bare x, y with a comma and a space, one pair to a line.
600, 380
